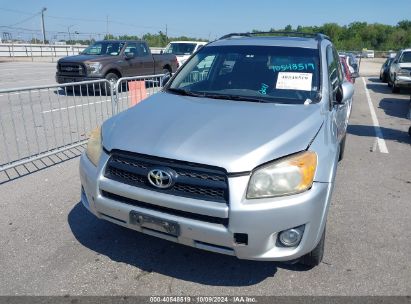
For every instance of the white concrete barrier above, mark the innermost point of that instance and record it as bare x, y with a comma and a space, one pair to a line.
45, 50
39, 50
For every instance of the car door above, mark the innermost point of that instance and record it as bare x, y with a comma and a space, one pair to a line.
145, 59
393, 68
335, 78
132, 66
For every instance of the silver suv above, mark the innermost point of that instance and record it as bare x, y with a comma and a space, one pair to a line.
400, 71
236, 155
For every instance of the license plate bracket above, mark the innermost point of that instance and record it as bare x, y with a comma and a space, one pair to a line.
154, 223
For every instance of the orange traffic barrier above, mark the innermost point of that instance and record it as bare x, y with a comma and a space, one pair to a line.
137, 90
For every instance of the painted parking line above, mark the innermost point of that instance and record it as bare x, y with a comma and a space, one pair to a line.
76, 106
379, 136
86, 104
25, 80
23, 92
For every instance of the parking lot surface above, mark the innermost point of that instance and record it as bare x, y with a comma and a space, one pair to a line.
51, 245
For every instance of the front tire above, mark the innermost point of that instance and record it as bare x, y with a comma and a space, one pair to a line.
314, 257
112, 78
342, 148
394, 88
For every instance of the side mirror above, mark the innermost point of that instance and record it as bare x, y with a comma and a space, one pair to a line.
129, 55
355, 75
164, 79
345, 92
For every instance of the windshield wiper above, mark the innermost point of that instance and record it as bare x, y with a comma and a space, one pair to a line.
234, 97
185, 92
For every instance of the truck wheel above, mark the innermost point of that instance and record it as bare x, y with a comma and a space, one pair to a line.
394, 88
342, 148
112, 78
314, 257
166, 71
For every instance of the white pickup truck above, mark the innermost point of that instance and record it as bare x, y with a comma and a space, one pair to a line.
183, 49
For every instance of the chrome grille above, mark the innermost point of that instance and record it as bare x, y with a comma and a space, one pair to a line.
192, 180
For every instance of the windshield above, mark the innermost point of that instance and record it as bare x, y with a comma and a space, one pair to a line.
406, 57
104, 48
180, 48
263, 73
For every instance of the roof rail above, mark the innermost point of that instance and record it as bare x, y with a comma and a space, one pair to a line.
317, 36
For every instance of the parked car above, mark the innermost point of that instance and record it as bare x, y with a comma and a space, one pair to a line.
352, 62
183, 49
400, 71
385, 70
368, 53
239, 162
112, 59
350, 74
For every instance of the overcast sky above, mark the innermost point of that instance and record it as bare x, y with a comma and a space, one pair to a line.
205, 19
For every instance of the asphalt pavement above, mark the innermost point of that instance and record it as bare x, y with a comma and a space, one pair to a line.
48, 116
51, 245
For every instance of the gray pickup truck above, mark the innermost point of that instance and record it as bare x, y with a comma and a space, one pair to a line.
112, 60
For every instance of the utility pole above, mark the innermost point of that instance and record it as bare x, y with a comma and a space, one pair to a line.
42, 24
107, 28
166, 32
68, 30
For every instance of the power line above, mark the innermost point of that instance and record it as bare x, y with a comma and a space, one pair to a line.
25, 20
14, 11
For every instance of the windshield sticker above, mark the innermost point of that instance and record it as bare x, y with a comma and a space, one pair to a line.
294, 67
294, 81
263, 89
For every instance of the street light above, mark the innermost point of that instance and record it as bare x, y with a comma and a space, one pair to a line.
42, 24
68, 30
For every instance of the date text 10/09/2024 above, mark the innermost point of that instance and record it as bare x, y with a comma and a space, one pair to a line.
203, 299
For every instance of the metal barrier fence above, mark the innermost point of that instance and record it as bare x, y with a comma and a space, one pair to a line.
36, 122
131, 90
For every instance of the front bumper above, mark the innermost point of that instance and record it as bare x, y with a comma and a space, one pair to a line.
260, 219
403, 81
67, 79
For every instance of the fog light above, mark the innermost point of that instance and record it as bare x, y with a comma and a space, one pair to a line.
291, 237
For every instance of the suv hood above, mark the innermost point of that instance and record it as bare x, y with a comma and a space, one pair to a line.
84, 58
405, 65
235, 135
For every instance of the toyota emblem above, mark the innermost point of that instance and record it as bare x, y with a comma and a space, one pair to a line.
160, 178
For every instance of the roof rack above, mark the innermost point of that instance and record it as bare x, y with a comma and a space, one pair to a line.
317, 36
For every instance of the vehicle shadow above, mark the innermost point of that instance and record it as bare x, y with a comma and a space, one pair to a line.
396, 107
378, 86
389, 134
151, 254
40, 164
376, 79
84, 91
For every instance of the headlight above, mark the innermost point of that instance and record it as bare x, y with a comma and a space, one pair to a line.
94, 146
290, 175
93, 68
403, 72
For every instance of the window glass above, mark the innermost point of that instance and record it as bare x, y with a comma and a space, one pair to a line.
406, 57
269, 73
131, 48
200, 71
104, 48
332, 69
180, 48
142, 49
